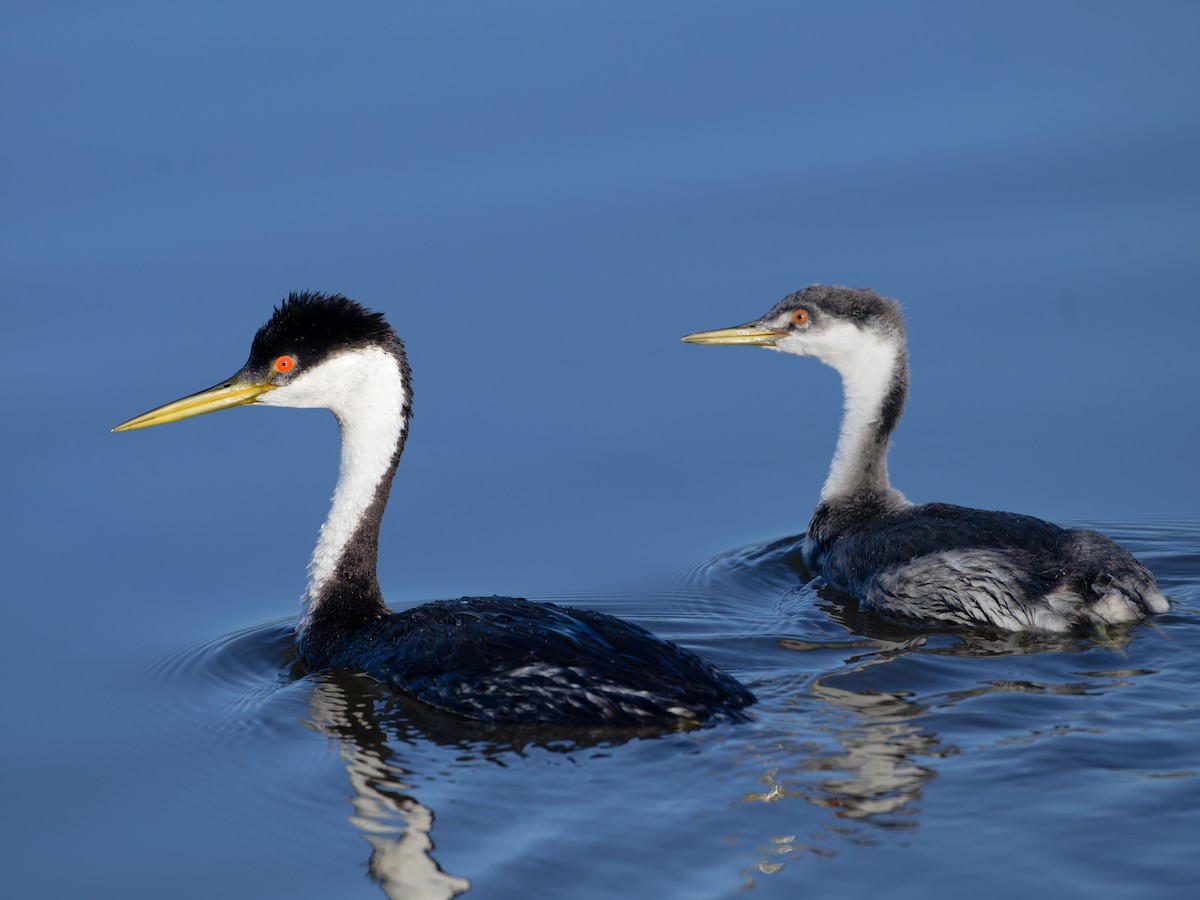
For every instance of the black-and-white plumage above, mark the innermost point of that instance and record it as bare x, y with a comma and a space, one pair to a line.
933, 561
492, 658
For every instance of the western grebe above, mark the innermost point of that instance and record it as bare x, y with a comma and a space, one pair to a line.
933, 561
491, 658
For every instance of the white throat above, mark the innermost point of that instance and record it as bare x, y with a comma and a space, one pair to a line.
867, 363
365, 391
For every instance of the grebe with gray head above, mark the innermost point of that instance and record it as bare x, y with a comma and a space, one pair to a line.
489, 658
932, 561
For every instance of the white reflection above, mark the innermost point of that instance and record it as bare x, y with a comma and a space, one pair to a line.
397, 826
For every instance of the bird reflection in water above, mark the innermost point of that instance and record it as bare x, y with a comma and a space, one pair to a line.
868, 755
859, 735
396, 825
856, 721
860, 755
367, 722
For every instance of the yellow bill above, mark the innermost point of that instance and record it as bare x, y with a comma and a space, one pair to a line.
752, 335
223, 396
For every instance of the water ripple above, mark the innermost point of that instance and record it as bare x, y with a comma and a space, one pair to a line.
860, 721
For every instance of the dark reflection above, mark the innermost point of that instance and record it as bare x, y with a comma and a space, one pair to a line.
371, 724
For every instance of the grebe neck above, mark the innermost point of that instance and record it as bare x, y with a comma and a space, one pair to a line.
874, 374
372, 415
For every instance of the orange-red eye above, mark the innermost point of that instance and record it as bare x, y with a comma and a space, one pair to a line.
285, 364
800, 317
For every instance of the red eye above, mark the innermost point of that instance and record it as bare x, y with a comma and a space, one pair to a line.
285, 364
800, 317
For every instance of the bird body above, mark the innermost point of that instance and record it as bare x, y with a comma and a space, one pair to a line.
511, 659
934, 561
493, 658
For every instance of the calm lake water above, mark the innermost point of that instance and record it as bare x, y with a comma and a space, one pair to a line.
879, 760
543, 198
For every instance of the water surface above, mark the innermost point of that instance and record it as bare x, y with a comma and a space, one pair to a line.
923, 751
543, 197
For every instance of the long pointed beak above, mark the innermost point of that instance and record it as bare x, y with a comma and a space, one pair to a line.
237, 391
751, 334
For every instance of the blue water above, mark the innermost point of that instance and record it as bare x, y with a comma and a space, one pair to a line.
543, 198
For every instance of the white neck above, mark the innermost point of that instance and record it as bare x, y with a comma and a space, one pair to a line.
867, 363
366, 393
